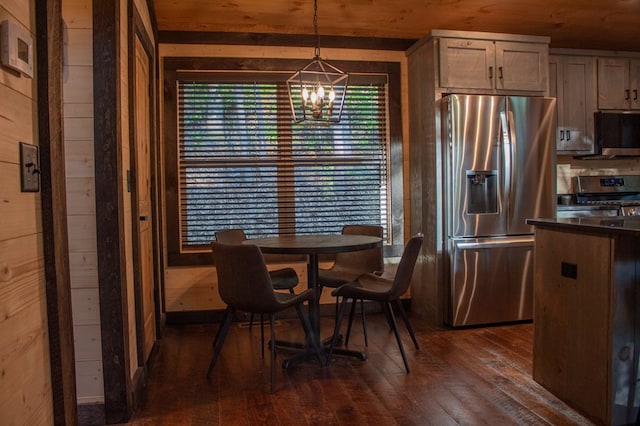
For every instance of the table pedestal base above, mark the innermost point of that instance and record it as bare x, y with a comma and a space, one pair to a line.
309, 353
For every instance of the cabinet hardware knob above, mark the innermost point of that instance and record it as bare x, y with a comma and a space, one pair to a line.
561, 135
490, 73
626, 95
568, 135
635, 94
500, 73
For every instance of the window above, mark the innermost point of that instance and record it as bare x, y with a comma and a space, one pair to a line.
238, 162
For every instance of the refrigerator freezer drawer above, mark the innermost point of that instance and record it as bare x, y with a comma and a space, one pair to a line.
491, 280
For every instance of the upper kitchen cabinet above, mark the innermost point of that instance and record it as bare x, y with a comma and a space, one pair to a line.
572, 80
481, 62
618, 83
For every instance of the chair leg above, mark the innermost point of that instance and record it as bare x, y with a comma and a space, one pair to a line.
386, 315
273, 350
215, 339
364, 323
220, 336
395, 331
405, 318
336, 331
383, 306
262, 336
351, 313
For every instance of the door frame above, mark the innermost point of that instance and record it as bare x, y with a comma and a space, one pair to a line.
49, 60
137, 30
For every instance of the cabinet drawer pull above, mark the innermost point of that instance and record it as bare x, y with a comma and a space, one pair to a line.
635, 94
561, 135
626, 95
490, 73
500, 73
568, 135
569, 270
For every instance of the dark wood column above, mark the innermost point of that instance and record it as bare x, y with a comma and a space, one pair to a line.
118, 394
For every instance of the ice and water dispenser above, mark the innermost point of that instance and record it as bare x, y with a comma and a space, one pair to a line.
482, 191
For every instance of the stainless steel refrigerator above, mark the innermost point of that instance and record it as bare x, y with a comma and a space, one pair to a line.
499, 170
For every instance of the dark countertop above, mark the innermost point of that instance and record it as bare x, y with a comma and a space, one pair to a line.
618, 224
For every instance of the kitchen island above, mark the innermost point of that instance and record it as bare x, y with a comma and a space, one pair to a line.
586, 314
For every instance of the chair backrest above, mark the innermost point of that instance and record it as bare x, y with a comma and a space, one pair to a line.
230, 236
243, 280
370, 260
402, 278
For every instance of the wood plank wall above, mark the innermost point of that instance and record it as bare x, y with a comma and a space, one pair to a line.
81, 205
194, 288
80, 160
25, 394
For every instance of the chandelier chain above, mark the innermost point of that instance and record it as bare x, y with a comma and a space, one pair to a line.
315, 28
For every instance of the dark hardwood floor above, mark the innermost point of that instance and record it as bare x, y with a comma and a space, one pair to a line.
458, 377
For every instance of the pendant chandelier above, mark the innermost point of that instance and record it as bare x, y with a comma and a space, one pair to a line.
317, 91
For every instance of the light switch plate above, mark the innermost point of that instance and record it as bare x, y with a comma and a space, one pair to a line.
29, 168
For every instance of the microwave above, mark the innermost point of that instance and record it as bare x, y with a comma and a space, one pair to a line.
617, 134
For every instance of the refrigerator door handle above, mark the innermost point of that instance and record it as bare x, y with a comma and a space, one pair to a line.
507, 140
488, 243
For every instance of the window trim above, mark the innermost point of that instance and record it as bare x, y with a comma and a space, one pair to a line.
178, 67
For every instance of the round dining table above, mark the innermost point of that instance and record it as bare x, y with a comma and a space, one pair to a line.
312, 246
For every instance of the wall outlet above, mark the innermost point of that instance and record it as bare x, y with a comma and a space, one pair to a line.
29, 168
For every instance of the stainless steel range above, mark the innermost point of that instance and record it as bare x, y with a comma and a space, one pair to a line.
622, 192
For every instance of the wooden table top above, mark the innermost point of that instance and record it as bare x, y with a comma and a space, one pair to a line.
315, 244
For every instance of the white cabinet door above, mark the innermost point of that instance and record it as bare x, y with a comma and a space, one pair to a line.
521, 66
466, 63
613, 83
493, 66
575, 90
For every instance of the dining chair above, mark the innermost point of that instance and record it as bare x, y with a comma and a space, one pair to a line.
383, 290
244, 284
282, 279
350, 265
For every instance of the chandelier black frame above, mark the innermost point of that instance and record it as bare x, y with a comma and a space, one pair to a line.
317, 92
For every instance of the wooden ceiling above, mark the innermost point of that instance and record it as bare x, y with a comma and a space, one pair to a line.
584, 24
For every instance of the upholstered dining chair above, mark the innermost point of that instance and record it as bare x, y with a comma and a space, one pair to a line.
350, 265
383, 290
282, 279
245, 284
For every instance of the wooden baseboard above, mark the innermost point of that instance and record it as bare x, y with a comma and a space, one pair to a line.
91, 415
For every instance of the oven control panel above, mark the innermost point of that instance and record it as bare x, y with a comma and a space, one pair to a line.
607, 184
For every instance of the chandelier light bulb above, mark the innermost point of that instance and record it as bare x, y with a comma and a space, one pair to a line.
305, 94
332, 95
314, 97
320, 91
